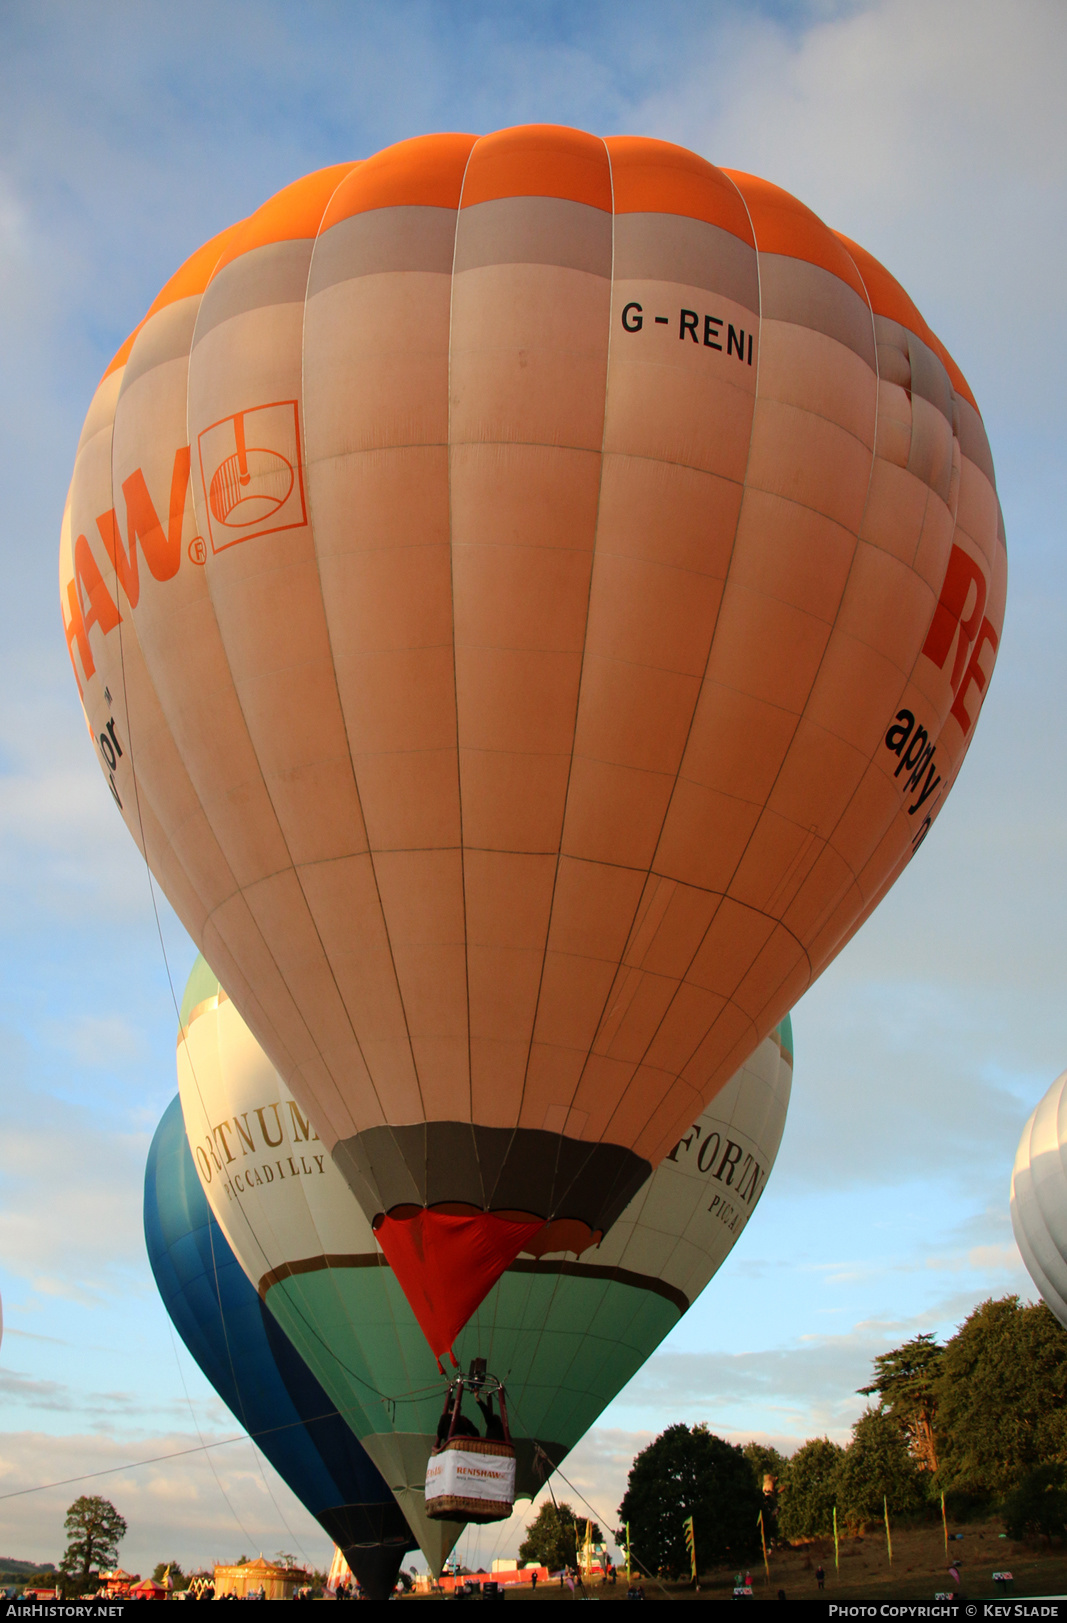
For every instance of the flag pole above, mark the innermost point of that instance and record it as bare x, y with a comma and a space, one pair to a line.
837, 1559
944, 1520
629, 1579
763, 1541
888, 1540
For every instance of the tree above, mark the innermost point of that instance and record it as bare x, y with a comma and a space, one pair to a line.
878, 1471
768, 1466
94, 1532
177, 1577
554, 1535
809, 1492
905, 1380
1038, 1504
691, 1472
769, 1469
1001, 1397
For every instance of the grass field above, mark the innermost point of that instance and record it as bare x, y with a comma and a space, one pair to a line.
918, 1571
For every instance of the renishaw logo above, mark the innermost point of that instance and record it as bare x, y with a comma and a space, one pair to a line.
250, 470
88, 598
253, 485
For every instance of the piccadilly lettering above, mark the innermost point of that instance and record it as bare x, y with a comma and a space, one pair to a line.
729, 1164
704, 330
251, 1133
729, 1215
256, 1177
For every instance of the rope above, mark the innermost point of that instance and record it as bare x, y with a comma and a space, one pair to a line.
200, 1435
540, 1454
177, 1453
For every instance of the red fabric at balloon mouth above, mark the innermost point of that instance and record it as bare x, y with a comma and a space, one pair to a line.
447, 1262
555, 1234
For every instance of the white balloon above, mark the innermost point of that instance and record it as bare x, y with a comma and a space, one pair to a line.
1039, 1197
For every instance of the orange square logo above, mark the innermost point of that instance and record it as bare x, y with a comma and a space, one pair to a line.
251, 474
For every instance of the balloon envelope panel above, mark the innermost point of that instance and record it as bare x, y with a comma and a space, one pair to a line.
249, 1361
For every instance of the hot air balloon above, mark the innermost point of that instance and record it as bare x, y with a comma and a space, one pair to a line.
1039, 1198
531, 596
257, 1372
565, 1335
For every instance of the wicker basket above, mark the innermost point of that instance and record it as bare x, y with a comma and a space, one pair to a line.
470, 1507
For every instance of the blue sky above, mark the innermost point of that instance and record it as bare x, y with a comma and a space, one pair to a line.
129, 133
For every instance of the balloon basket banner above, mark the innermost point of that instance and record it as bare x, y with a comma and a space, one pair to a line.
471, 1479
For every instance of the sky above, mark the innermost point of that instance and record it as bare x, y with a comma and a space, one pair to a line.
130, 133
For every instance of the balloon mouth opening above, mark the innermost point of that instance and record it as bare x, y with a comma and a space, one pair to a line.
557, 1234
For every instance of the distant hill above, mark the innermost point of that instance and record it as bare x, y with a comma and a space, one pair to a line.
9, 1564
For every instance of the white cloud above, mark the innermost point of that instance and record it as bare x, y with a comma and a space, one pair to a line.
101, 1040
994, 1259
187, 1506
70, 1216
64, 851
933, 134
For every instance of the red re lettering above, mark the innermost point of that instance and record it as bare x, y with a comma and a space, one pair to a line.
974, 674
962, 573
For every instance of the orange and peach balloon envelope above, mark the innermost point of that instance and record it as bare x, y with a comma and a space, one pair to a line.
531, 596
